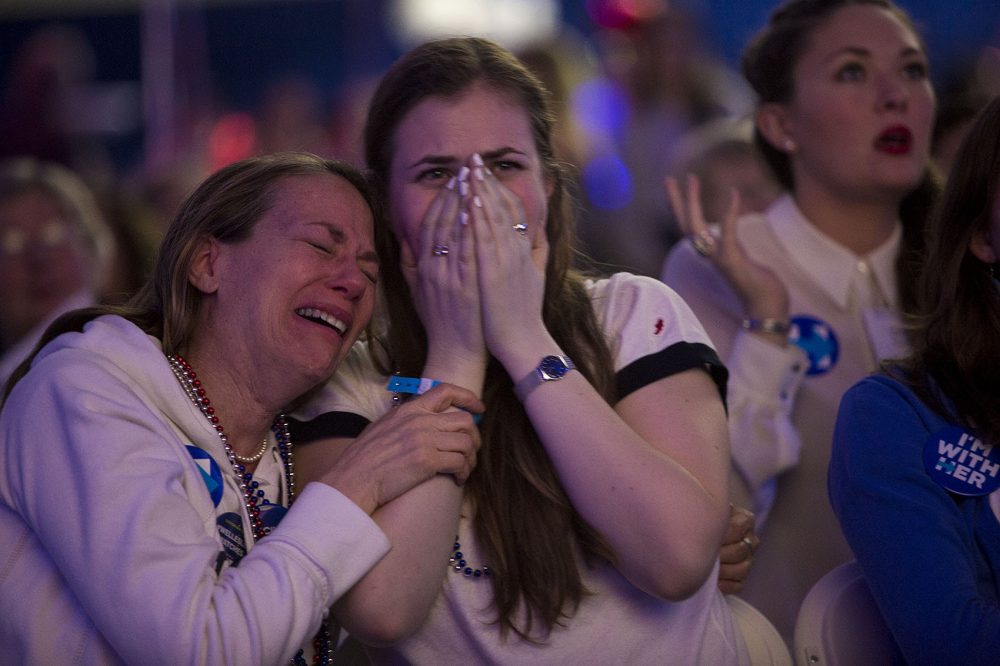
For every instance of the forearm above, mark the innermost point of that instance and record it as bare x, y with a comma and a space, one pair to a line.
663, 510
763, 385
394, 598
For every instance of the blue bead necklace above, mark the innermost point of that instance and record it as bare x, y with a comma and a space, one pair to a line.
459, 565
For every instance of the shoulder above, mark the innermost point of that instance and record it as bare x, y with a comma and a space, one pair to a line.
109, 349
627, 301
356, 387
879, 419
877, 391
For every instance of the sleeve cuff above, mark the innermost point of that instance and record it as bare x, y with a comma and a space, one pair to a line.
774, 372
335, 533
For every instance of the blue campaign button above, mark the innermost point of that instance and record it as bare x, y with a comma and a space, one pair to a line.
271, 514
210, 472
961, 463
818, 340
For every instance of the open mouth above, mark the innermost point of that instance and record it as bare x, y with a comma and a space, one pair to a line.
895, 140
324, 318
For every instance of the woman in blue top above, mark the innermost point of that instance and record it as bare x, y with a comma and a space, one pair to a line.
915, 467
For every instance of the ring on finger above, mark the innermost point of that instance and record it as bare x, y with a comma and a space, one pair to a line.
439, 250
521, 228
704, 243
749, 544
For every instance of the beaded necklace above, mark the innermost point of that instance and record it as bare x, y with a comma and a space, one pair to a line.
459, 565
192, 386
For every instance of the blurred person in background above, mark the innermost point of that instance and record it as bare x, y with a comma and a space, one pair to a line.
55, 252
662, 79
724, 158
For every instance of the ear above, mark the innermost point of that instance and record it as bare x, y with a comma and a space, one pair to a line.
772, 122
203, 273
982, 248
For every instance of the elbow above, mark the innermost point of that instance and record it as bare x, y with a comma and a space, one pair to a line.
684, 564
681, 585
677, 577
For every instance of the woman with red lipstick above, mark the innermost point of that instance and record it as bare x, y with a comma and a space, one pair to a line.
915, 468
803, 300
146, 460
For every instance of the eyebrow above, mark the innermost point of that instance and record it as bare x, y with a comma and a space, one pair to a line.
449, 159
859, 51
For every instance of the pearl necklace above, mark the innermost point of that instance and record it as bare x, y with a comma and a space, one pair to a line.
246, 460
188, 378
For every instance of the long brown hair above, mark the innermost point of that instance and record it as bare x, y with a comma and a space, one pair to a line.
226, 206
768, 65
958, 320
524, 522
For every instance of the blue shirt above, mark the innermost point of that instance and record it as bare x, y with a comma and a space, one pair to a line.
931, 557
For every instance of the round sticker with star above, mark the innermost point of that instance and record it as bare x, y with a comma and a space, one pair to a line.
818, 340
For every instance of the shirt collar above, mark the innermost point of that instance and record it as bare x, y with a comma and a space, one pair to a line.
830, 264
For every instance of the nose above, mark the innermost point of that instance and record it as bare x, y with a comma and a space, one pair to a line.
893, 93
349, 279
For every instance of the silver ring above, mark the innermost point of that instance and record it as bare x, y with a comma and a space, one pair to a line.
704, 243
521, 228
439, 250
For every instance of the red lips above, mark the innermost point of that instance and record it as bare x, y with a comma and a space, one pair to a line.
895, 140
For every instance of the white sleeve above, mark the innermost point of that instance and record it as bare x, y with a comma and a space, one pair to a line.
93, 471
356, 388
763, 378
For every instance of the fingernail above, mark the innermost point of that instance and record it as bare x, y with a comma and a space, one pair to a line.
451, 183
463, 218
463, 188
477, 160
477, 201
479, 173
463, 173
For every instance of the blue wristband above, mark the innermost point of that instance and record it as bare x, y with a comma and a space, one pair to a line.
418, 386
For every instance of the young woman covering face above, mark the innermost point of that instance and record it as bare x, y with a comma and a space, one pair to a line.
600, 493
803, 300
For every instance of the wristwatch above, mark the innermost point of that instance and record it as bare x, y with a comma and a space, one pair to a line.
550, 369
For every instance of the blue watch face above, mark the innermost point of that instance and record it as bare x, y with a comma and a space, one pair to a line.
552, 367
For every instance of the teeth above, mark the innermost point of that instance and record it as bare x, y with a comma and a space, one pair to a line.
313, 313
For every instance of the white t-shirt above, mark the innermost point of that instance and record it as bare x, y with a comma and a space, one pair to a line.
652, 334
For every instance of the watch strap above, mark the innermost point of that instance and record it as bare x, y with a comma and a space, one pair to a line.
539, 375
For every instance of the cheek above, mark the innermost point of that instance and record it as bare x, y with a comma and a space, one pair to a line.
407, 211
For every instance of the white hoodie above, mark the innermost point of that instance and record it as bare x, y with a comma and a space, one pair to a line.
110, 530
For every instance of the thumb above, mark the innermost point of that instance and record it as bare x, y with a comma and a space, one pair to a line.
444, 396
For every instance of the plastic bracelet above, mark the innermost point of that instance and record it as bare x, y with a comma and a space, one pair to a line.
767, 325
413, 385
418, 386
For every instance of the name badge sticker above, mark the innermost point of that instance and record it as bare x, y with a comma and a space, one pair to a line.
886, 334
961, 463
